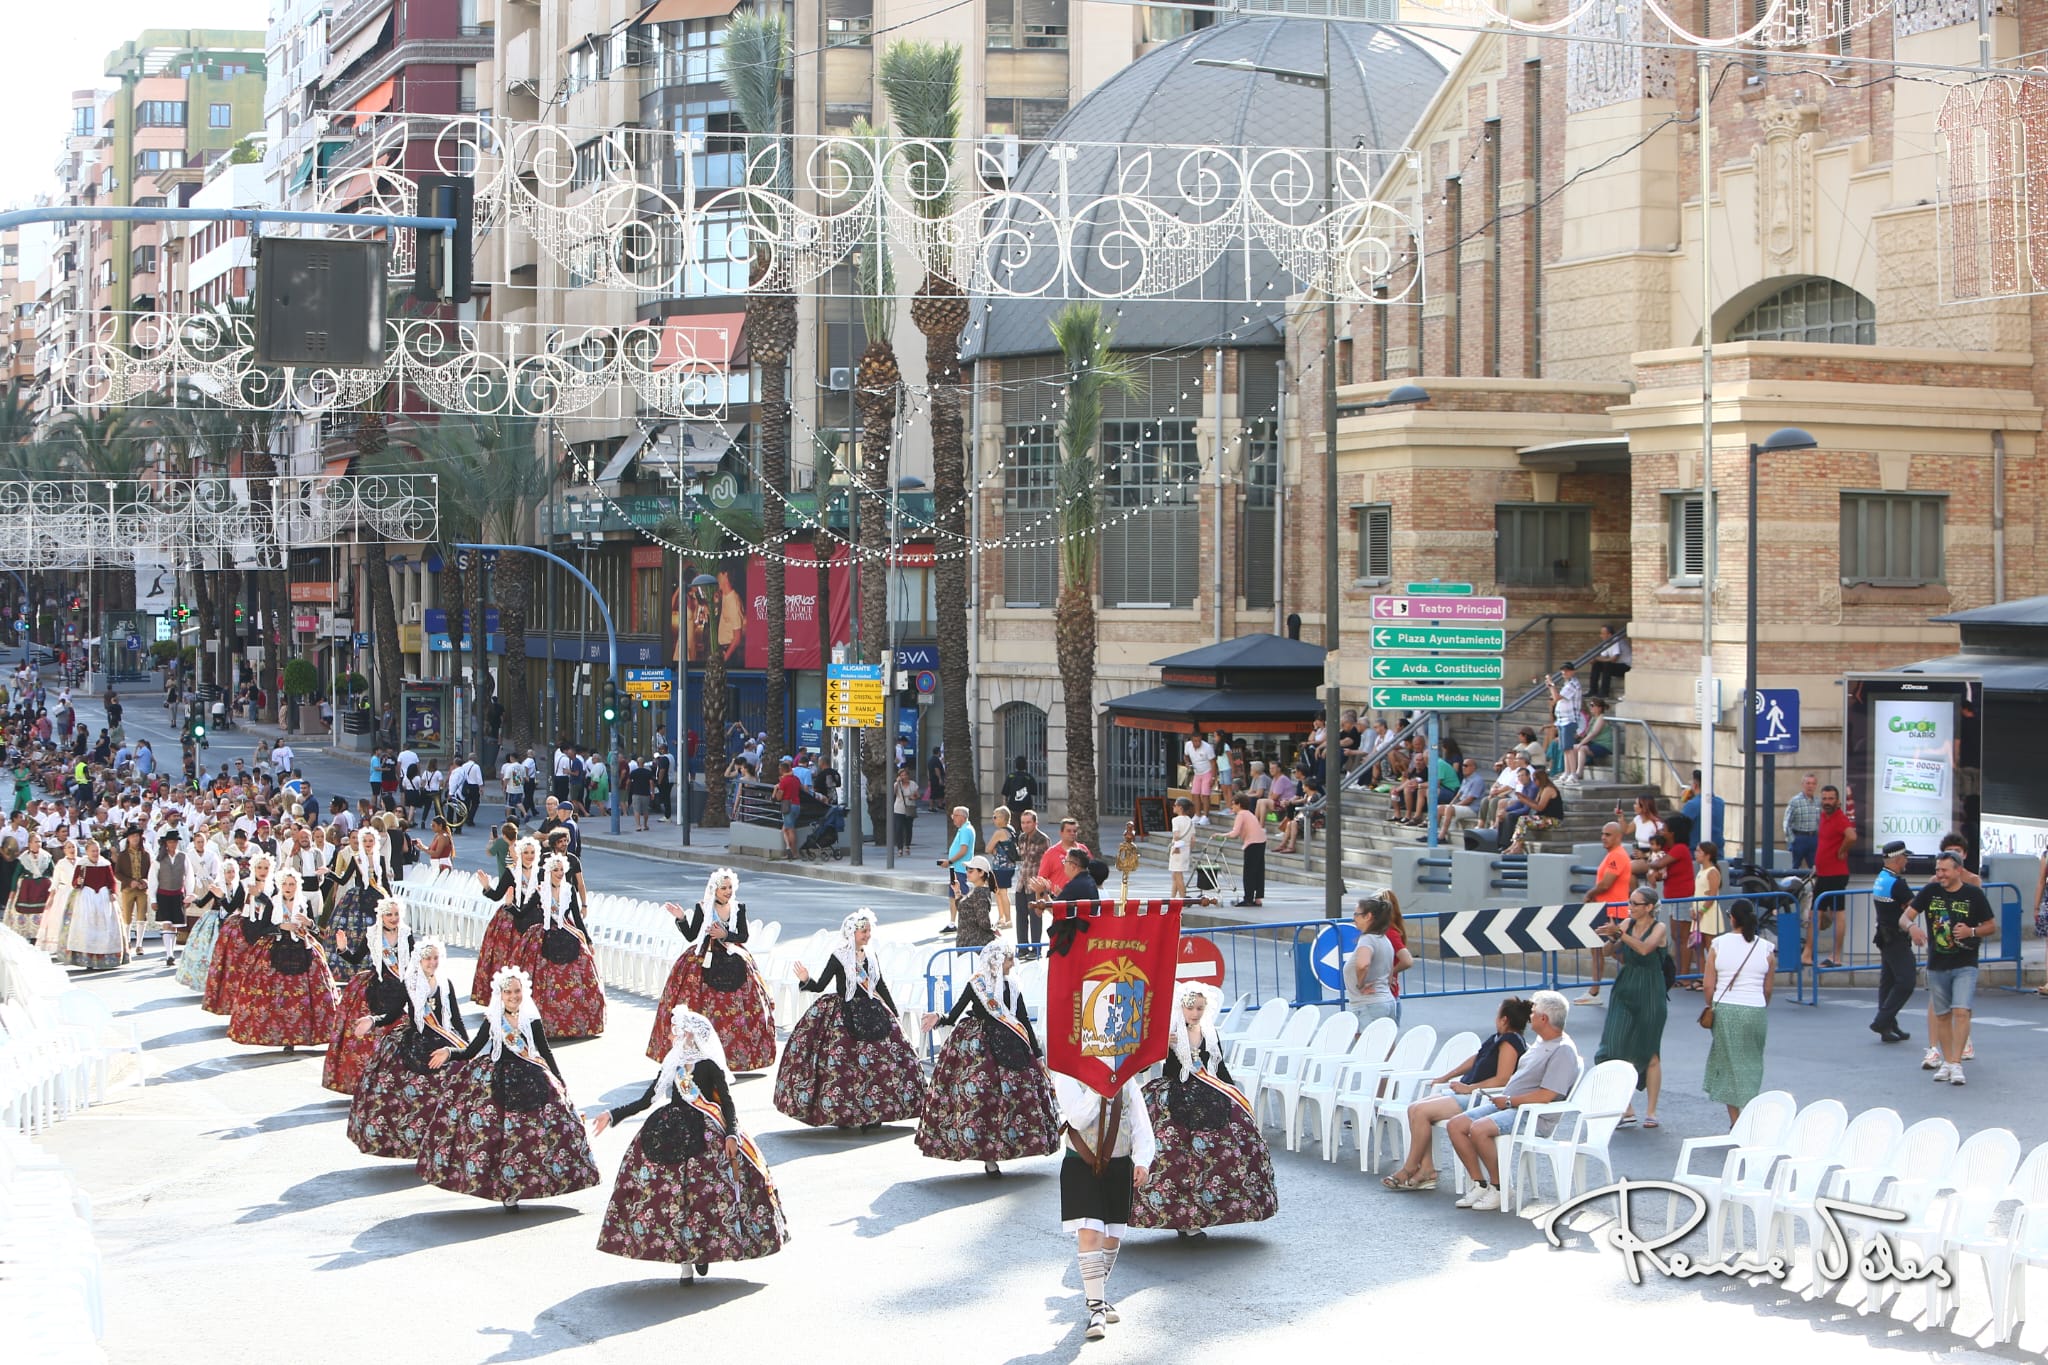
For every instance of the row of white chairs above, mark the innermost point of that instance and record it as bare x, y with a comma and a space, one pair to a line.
49, 1264
61, 1049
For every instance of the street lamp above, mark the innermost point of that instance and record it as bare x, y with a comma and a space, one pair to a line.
702, 583
1782, 440
909, 483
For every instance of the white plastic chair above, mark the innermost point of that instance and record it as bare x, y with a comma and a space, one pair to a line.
1582, 1125
1748, 1184
1248, 1061
1288, 1068
1265, 1024
1972, 1182
1703, 1161
2029, 1252
1870, 1140
1358, 1084
1986, 1231
1404, 1088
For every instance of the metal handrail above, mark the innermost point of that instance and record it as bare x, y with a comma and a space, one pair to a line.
1530, 695
1678, 778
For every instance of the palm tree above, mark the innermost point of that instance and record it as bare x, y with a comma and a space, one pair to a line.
198, 435
712, 541
877, 382
756, 64
923, 84
1093, 371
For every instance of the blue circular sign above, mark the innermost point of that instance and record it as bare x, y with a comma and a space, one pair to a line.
135, 642
1333, 945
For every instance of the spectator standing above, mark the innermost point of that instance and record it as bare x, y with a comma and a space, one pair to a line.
1567, 699
1054, 870
1180, 850
1891, 903
1672, 871
1836, 836
1802, 821
512, 781
1691, 811
1032, 844
1250, 832
1611, 887
1739, 975
1020, 788
640, 793
789, 800
1201, 761
1002, 859
1634, 1030
1369, 975
958, 852
1612, 662
935, 784
1546, 1073
975, 905
1958, 919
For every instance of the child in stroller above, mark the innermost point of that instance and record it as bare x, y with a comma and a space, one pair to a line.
823, 840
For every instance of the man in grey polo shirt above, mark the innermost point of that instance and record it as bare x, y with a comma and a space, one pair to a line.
1547, 1072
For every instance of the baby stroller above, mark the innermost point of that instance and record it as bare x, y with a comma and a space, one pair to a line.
823, 840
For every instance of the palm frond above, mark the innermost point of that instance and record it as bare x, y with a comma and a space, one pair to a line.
874, 273
922, 81
756, 66
1093, 373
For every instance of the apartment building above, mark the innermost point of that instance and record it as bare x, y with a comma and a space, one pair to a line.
63, 322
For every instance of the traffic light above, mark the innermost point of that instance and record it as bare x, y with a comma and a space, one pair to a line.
611, 704
442, 261
241, 616
196, 732
645, 704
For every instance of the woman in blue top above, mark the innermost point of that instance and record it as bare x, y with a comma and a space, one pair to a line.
376, 779
1487, 1069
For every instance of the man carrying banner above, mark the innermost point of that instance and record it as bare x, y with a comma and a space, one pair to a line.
1109, 995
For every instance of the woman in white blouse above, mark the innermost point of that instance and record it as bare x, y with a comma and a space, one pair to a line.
1737, 979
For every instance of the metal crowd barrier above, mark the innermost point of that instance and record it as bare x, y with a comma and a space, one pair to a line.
1860, 950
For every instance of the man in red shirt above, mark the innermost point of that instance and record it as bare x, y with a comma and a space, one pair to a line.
1612, 885
1830, 873
789, 794
1052, 868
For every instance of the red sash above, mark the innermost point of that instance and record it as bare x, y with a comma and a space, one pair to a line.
1227, 1090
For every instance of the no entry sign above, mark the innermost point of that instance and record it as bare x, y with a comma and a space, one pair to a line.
1200, 960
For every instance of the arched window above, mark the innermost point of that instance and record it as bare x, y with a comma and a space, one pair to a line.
1815, 310
1023, 731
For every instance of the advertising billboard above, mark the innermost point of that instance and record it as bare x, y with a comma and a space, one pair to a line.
1915, 761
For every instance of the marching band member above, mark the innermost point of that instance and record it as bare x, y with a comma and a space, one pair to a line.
1212, 1165
715, 977
847, 1062
693, 1188
504, 1129
989, 1098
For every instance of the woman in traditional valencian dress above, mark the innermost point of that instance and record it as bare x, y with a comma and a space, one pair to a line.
1213, 1166
399, 1091
381, 958
219, 901
240, 937
57, 914
515, 887
847, 1062
504, 1129
693, 1188
715, 977
94, 939
32, 891
287, 994
357, 884
555, 953
989, 1099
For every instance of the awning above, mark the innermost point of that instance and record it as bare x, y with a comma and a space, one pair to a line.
379, 99
354, 50
674, 11
304, 172
336, 465
702, 445
702, 341
1595, 452
1998, 672
1188, 710
615, 468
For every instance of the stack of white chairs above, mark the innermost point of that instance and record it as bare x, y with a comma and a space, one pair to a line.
50, 1067
1852, 1171
1247, 1053
49, 1266
1984, 1230
1938, 1204
1242, 1025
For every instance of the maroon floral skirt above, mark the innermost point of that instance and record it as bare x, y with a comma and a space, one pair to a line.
499, 942
1204, 1177
348, 1055
388, 1116
829, 1077
275, 1010
745, 1018
568, 995
473, 1146
224, 974
706, 1208
977, 1110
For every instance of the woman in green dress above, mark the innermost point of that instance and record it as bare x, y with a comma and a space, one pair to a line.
1634, 1032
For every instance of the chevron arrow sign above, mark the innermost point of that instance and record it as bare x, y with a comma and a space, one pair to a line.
1521, 929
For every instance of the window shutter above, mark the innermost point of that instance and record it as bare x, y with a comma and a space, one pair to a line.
1375, 542
1693, 535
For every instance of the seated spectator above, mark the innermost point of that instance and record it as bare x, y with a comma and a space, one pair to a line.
1522, 817
1595, 743
1525, 745
1514, 781
1490, 1068
1304, 810
1553, 750
1463, 809
1546, 1074
1280, 797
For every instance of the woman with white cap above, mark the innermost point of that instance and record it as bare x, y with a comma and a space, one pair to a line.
1213, 1166
357, 883
976, 906
384, 956
287, 994
989, 1099
514, 891
398, 1090
504, 1129
847, 1063
715, 977
240, 936
693, 1188
555, 952
221, 899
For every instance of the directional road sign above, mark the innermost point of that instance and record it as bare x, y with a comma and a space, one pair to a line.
1477, 639
854, 695
1447, 589
1333, 944
1520, 929
1443, 668
853, 672
1421, 698
1439, 607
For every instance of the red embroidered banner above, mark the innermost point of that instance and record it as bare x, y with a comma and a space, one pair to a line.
1109, 997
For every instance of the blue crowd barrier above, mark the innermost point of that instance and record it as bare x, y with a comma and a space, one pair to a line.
1780, 921
1857, 916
